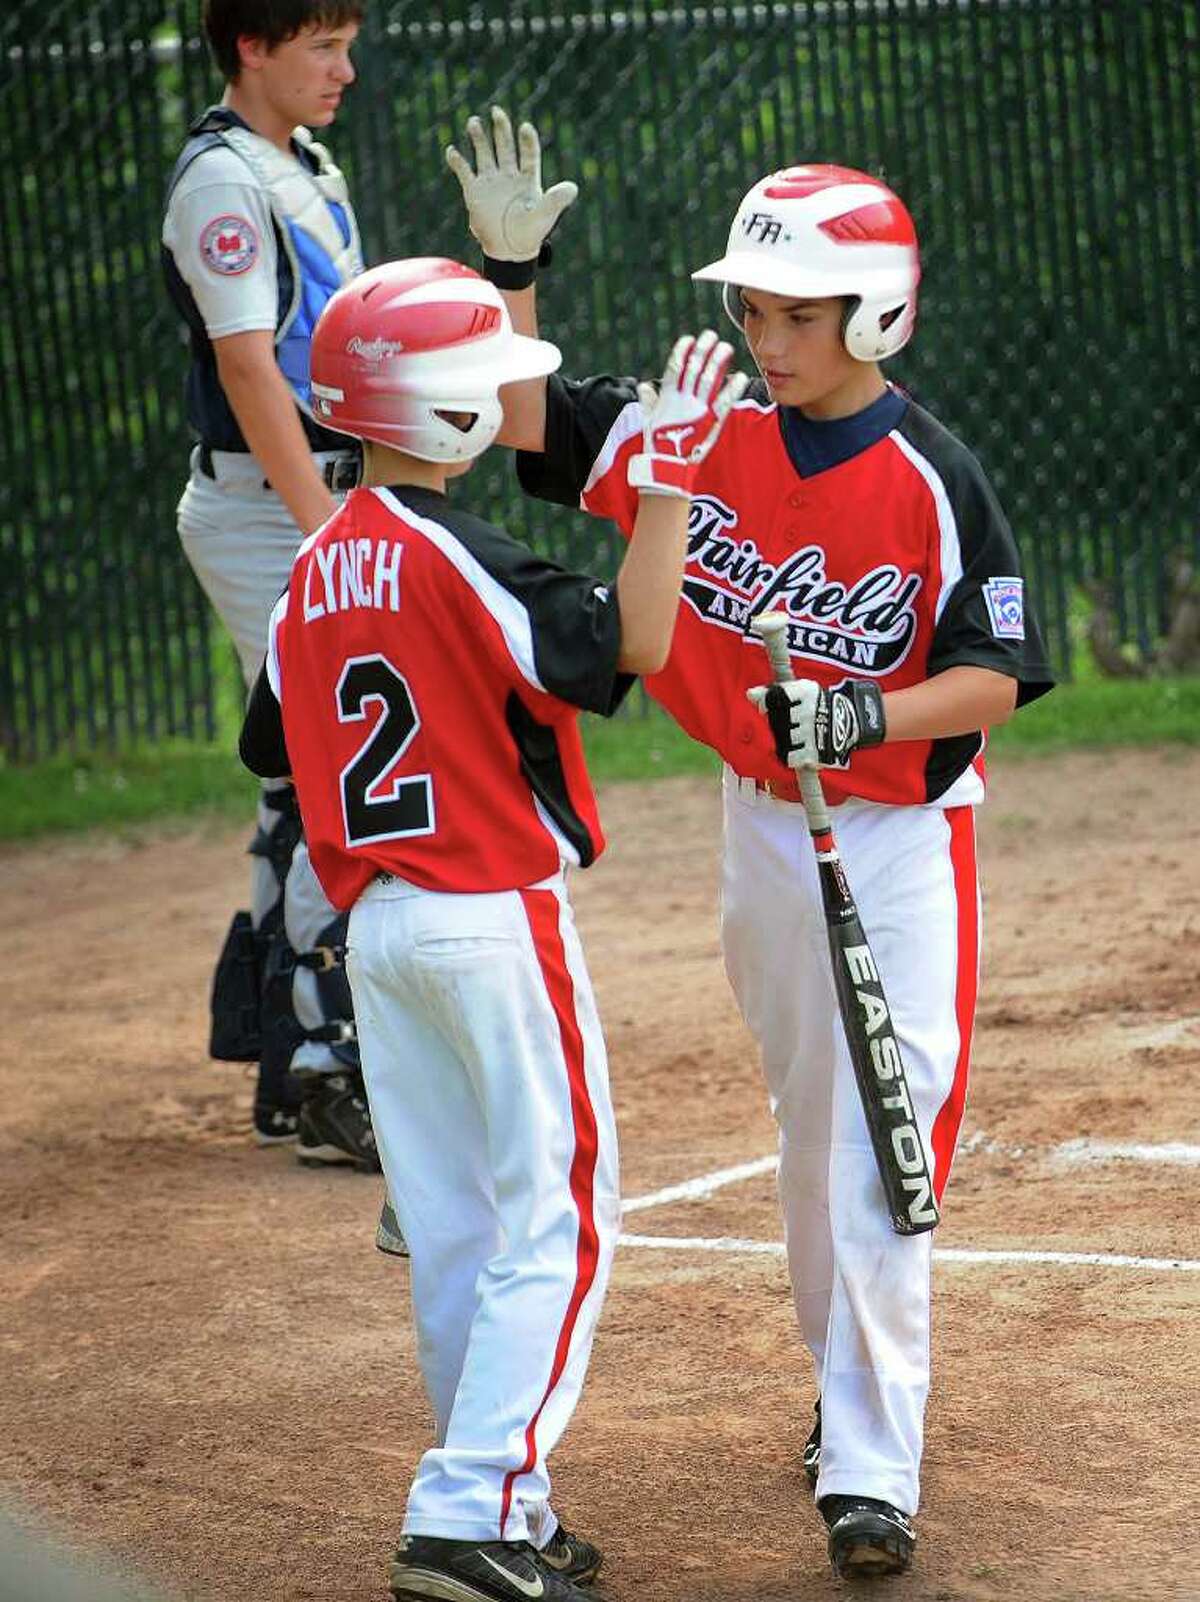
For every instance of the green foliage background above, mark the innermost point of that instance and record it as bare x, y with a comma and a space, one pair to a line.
1047, 148
179, 782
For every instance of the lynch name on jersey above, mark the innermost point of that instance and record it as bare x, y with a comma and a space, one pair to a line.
349, 573
869, 625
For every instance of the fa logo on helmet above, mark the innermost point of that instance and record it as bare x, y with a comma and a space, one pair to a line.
762, 226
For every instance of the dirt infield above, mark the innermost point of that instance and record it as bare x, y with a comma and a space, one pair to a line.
207, 1368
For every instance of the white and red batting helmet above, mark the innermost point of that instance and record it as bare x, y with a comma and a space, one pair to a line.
405, 344
814, 232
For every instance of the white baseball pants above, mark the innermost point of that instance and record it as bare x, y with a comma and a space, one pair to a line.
240, 540
862, 1293
488, 1083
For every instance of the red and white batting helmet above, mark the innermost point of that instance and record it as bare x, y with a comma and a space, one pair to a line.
401, 346
813, 232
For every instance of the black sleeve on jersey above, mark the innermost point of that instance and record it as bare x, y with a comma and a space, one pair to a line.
574, 618
541, 764
261, 745
579, 415
964, 635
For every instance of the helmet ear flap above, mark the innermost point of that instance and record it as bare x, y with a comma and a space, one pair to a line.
876, 329
850, 305
731, 300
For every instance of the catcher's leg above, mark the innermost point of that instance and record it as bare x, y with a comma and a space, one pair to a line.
240, 542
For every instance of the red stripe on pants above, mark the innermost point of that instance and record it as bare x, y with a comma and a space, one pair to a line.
542, 910
966, 895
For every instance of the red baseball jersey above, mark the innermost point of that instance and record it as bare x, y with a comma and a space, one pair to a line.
429, 671
893, 564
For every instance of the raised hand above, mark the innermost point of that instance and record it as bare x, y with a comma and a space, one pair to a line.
685, 414
507, 210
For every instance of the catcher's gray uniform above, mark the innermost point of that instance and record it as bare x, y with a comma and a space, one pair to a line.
256, 239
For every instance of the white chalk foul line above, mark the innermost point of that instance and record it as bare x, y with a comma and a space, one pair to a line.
946, 1254
695, 1189
1181, 1265
1173, 1153
1075, 1151
703, 1243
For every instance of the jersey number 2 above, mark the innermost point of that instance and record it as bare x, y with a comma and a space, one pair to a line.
407, 807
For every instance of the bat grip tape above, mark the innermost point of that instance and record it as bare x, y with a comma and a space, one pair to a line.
771, 628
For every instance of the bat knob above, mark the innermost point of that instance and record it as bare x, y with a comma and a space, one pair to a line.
772, 630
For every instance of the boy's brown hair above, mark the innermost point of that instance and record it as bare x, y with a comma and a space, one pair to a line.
273, 21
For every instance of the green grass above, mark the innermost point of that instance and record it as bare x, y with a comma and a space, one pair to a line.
111, 791
649, 746
1104, 712
179, 782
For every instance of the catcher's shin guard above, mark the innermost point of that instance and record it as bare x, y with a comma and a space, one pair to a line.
235, 1006
279, 831
326, 960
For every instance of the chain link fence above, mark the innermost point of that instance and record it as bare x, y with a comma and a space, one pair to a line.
1048, 149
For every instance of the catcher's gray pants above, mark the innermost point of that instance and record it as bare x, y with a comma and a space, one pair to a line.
240, 540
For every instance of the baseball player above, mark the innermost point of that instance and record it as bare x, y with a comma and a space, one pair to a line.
832, 496
257, 235
422, 685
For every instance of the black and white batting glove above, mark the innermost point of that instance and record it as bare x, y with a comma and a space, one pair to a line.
815, 727
507, 210
684, 415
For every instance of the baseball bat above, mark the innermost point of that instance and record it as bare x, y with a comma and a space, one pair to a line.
870, 1036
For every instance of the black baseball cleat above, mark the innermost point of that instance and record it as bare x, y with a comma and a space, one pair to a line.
571, 1556
335, 1122
812, 1448
477, 1571
868, 1539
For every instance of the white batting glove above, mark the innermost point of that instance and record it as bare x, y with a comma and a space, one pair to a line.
815, 727
685, 415
507, 210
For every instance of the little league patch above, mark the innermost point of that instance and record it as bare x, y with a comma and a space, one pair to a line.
1005, 599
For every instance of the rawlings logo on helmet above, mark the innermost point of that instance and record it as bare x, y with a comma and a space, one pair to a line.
411, 354
373, 350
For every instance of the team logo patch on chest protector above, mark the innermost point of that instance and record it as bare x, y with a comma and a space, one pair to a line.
318, 233
868, 624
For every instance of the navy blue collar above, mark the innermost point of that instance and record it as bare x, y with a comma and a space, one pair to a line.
816, 445
217, 117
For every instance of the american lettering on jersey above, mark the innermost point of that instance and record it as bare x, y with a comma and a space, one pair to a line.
859, 560
869, 624
881, 561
